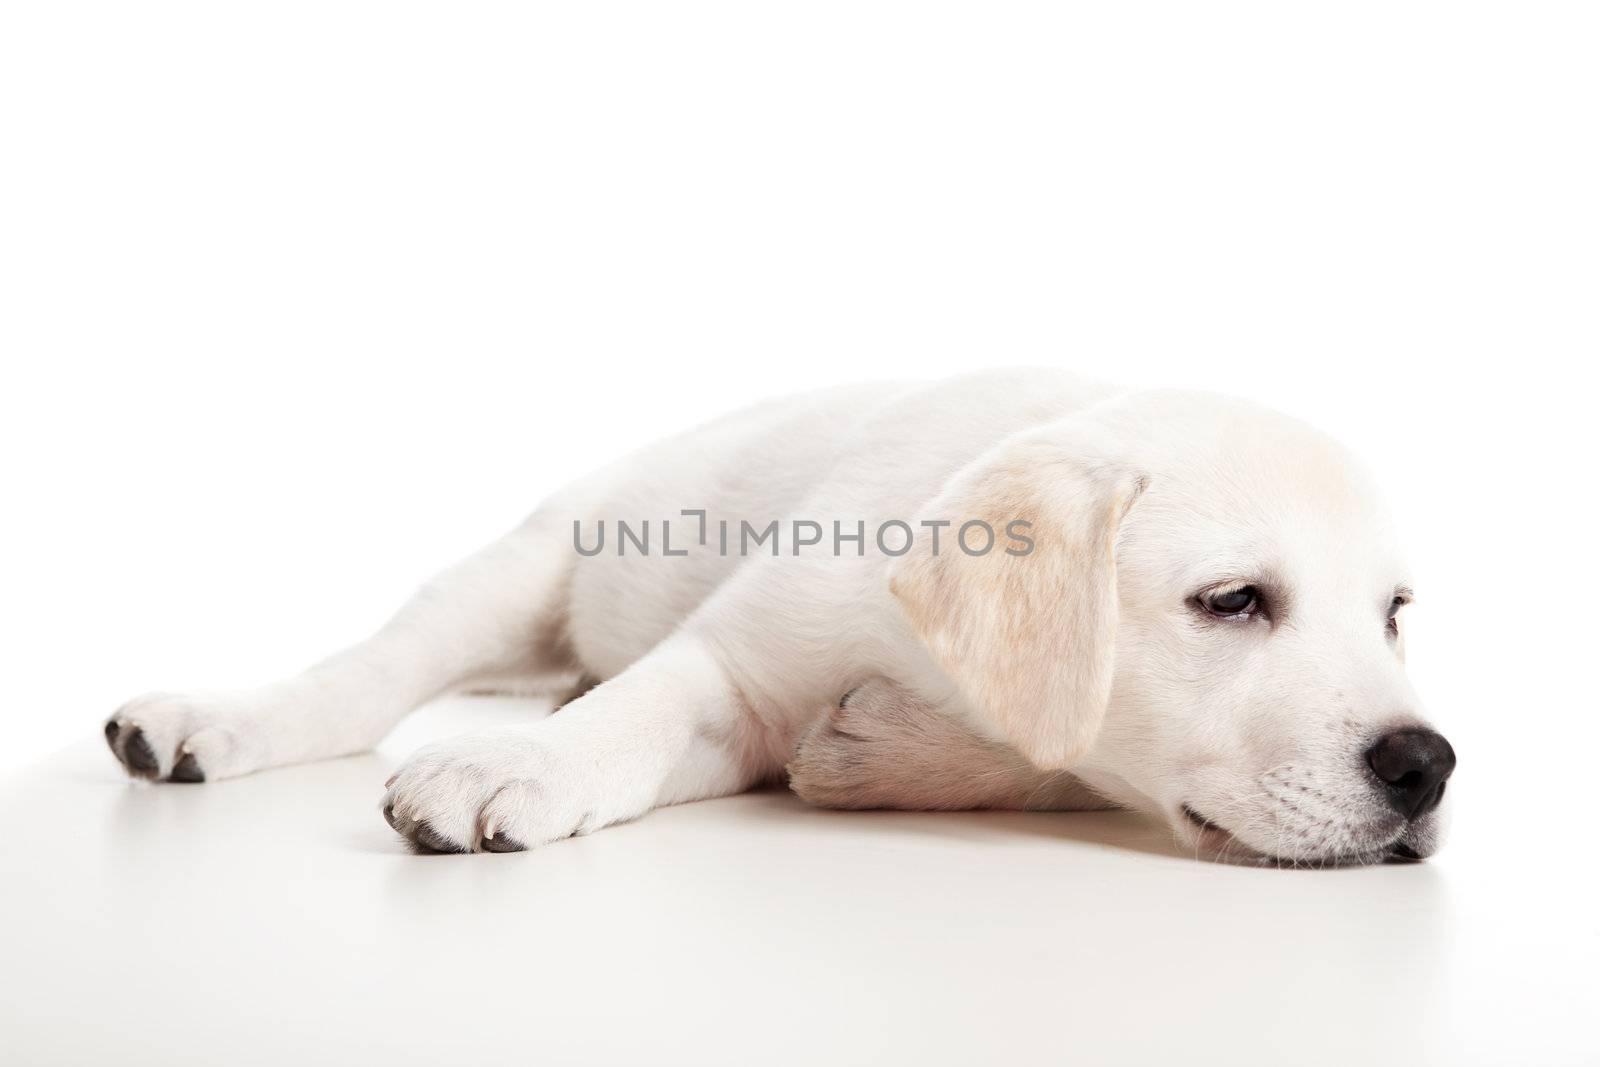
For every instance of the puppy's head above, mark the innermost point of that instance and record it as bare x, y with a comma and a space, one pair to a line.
1207, 626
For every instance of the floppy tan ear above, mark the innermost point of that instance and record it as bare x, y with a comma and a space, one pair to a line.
1027, 633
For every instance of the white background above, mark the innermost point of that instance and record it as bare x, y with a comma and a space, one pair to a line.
303, 301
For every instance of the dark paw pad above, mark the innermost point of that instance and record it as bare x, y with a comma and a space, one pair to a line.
502, 843
187, 769
138, 756
427, 839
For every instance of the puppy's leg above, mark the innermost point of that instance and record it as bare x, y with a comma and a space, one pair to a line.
882, 747
668, 729
497, 611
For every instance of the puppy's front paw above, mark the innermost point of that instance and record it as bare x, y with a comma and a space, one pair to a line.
883, 747
177, 738
502, 791
855, 748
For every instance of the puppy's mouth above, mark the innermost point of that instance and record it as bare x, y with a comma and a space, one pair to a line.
1227, 847
1222, 844
1201, 821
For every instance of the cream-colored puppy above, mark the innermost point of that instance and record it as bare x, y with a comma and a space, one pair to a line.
1039, 591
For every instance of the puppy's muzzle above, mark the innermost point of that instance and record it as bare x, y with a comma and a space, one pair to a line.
1413, 766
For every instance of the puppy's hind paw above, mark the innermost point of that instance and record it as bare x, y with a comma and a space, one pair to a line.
132, 749
187, 769
170, 738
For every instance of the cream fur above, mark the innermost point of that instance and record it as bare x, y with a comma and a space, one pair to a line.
1086, 653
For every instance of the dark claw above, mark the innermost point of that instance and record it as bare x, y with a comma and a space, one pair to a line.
502, 843
388, 817
187, 769
138, 755
430, 840
112, 730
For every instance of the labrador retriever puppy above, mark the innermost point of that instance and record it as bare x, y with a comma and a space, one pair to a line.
1035, 590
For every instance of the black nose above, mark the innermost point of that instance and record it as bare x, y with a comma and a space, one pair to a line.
1413, 765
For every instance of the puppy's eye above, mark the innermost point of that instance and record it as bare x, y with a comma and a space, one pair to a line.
1233, 603
1400, 601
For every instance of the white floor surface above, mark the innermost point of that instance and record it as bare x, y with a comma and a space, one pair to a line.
277, 919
